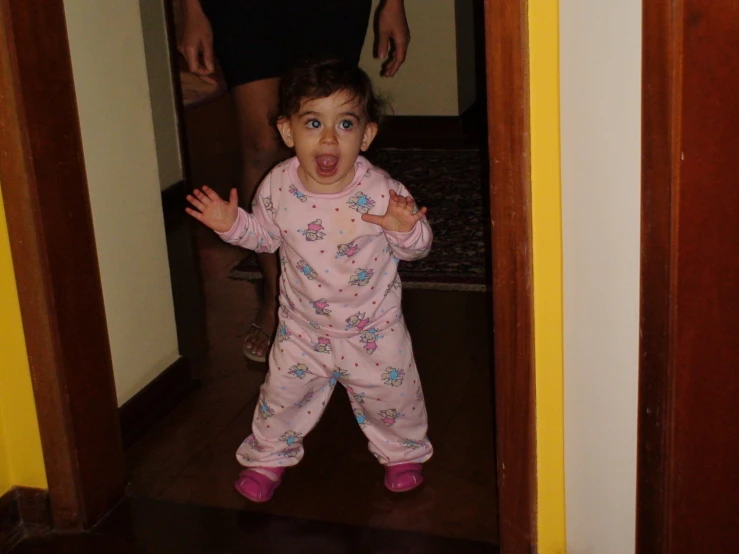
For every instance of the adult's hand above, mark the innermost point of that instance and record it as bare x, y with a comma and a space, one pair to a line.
196, 41
393, 36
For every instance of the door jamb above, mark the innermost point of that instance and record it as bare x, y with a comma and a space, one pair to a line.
52, 241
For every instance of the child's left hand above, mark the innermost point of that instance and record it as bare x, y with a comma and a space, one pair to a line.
401, 215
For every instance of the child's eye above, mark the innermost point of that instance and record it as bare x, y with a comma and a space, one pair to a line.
313, 124
346, 124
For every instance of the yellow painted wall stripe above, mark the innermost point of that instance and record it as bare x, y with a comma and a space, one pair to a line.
547, 262
21, 458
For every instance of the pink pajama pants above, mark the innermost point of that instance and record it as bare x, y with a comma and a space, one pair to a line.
377, 370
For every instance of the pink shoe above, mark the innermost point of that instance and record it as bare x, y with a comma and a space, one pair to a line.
256, 486
403, 477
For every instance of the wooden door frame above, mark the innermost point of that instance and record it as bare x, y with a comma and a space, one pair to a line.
661, 36
44, 186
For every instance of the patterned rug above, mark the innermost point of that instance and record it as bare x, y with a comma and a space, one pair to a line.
451, 183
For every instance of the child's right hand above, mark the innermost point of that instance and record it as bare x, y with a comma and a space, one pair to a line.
212, 210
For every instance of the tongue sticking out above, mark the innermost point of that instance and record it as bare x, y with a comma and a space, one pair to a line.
327, 164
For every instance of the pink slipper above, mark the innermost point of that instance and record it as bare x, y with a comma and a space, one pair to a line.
403, 477
256, 486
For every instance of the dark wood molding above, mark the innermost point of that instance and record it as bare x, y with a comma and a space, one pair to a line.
510, 193
660, 55
187, 285
53, 247
155, 400
22, 510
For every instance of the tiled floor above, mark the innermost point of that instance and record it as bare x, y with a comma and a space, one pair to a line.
181, 472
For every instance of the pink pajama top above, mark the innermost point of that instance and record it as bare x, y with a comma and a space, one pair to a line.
339, 274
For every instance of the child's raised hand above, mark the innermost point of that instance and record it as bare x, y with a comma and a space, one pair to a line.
212, 210
401, 215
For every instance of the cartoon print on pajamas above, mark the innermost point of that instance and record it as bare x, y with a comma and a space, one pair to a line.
307, 397
336, 375
299, 371
393, 376
314, 231
361, 202
321, 306
361, 277
267, 201
358, 397
314, 325
297, 194
419, 394
414, 444
389, 416
264, 410
323, 345
369, 340
358, 320
348, 250
283, 333
306, 270
361, 418
394, 284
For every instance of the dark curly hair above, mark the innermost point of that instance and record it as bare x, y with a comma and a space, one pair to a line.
320, 78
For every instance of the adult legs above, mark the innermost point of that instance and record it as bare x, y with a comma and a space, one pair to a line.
261, 149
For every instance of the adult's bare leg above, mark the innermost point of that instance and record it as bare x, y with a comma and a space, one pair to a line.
261, 149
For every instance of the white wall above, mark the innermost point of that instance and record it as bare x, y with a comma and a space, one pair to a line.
428, 82
600, 118
109, 67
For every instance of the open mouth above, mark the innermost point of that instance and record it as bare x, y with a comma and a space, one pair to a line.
327, 165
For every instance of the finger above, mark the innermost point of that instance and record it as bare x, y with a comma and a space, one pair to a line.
208, 56
212, 195
372, 218
399, 53
422, 212
233, 197
200, 195
383, 44
191, 57
195, 202
196, 215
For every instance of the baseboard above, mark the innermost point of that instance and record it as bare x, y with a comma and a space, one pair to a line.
155, 400
22, 509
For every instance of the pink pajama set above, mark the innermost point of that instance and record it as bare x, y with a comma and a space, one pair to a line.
340, 317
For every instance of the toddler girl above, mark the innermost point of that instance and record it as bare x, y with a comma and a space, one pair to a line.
341, 225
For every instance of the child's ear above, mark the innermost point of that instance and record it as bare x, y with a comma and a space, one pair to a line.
370, 131
286, 131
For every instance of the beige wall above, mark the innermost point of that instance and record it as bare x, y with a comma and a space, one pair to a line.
161, 92
113, 95
430, 82
600, 101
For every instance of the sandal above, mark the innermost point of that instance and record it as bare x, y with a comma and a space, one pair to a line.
255, 485
403, 477
253, 355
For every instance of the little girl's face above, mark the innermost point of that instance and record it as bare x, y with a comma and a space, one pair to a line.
328, 134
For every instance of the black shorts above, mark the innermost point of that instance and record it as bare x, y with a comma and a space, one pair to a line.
259, 39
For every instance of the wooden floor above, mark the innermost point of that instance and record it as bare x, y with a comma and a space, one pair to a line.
181, 472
